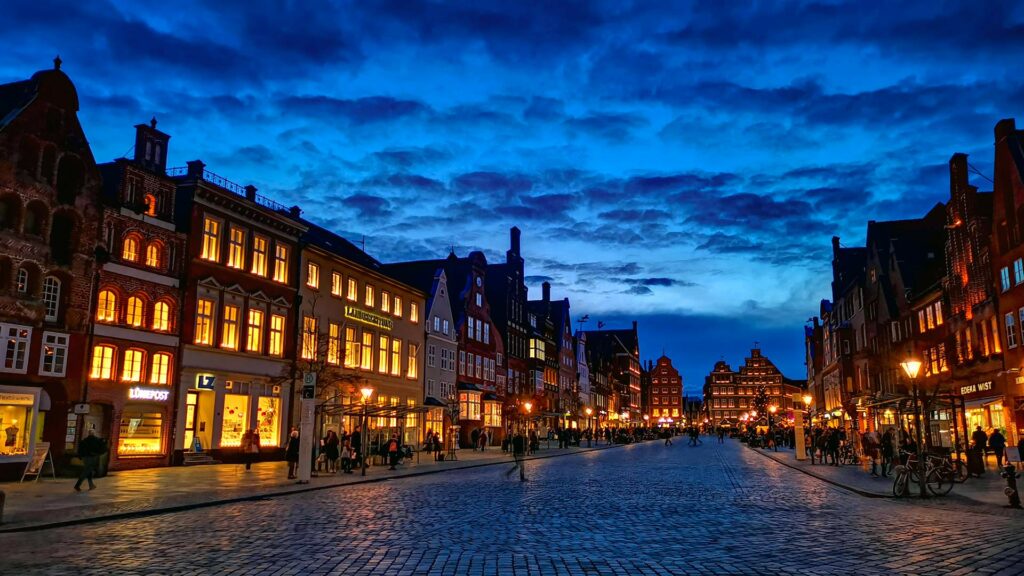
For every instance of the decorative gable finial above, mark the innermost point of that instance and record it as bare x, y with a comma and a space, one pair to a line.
152, 122
56, 62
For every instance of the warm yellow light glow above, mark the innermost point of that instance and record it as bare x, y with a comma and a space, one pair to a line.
773, 409
366, 392
911, 366
528, 406
808, 399
589, 411
646, 417
753, 413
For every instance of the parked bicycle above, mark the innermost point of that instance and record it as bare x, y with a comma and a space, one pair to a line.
940, 473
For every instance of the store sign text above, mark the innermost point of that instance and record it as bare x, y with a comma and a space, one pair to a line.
360, 315
139, 393
17, 399
979, 387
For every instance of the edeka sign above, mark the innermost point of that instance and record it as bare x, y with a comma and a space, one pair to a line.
979, 387
156, 394
360, 315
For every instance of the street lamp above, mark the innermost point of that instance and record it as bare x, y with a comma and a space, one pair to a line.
771, 425
590, 426
912, 367
365, 392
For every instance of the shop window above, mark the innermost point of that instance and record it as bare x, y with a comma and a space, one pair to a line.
492, 414
411, 369
141, 432
229, 329
276, 344
469, 406
55, 354
281, 264
254, 337
268, 420
160, 369
259, 255
132, 367
130, 249
135, 314
236, 248
153, 255
211, 240
335, 284
102, 363
309, 338
435, 422
313, 275
366, 361
51, 298
396, 357
334, 344
204, 322
397, 307
16, 414
161, 316
235, 422
352, 351
106, 310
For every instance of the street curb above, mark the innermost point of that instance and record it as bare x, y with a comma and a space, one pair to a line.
255, 497
857, 491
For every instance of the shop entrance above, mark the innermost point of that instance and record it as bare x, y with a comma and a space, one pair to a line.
199, 420
98, 421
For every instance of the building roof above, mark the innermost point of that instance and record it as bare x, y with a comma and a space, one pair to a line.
14, 97
329, 241
420, 273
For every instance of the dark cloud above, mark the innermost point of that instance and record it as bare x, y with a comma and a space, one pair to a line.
614, 127
537, 279
638, 290
491, 183
405, 158
368, 206
359, 111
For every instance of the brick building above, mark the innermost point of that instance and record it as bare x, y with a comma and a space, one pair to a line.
729, 395
50, 215
507, 295
617, 353
666, 392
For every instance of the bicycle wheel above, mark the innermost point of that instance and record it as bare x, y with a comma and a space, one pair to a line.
959, 470
939, 481
900, 485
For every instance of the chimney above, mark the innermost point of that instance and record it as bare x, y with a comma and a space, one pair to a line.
294, 211
250, 193
1004, 128
835, 248
634, 325
196, 168
514, 237
958, 172
546, 287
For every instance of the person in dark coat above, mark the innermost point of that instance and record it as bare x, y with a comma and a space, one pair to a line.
980, 442
888, 452
250, 447
291, 454
518, 452
332, 450
997, 442
90, 449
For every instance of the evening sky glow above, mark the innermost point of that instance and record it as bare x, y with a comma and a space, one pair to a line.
680, 164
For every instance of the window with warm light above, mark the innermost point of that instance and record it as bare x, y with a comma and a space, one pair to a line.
369, 296
204, 322
102, 362
229, 328
260, 247
150, 202
411, 367
397, 307
153, 255
254, 335
132, 367
211, 240
313, 275
135, 314
236, 248
351, 348
106, 308
336, 284
385, 301
366, 362
382, 354
334, 344
353, 290
281, 264
161, 317
414, 313
275, 347
396, 357
130, 249
309, 337
160, 369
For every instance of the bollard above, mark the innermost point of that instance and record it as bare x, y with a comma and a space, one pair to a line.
1010, 473
3, 500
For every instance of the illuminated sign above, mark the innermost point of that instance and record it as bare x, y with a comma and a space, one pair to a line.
360, 315
17, 399
205, 381
979, 387
157, 394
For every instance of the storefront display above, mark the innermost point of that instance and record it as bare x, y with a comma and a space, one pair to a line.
18, 409
141, 432
236, 420
268, 420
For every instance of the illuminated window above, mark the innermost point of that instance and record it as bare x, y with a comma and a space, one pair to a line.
259, 255
334, 344
102, 362
281, 264
204, 322
312, 276
536, 349
153, 255
160, 371
276, 347
106, 310
396, 357
229, 329
211, 240
141, 433
385, 301
366, 362
335, 284
469, 406
398, 306
414, 314
268, 420
51, 298
161, 316
130, 249
254, 336
150, 202
308, 338
411, 370
369, 296
382, 355
351, 348
353, 289
236, 248
136, 312
131, 368
235, 420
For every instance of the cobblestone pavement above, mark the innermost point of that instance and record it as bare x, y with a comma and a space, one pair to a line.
643, 509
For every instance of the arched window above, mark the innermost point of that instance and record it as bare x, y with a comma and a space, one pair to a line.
153, 252
35, 218
10, 212
106, 309
130, 249
23, 281
28, 156
136, 313
134, 363
162, 316
48, 164
160, 369
102, 362
70, 175
63, 234
150, 201
51, 298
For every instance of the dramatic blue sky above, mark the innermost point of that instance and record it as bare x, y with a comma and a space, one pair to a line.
683, 164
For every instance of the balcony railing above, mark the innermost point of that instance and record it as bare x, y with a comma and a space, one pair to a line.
233, 187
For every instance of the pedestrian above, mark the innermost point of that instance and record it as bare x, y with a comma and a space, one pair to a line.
250, 447
870, 442
332, 445
980, 440
393, 451
721, 435
474, 437
518, 452
997, 442
833, 447
483, 440
357, 446
534, 441
888, 451
291, 454
668, 437
346, 457
437, 448
90, 449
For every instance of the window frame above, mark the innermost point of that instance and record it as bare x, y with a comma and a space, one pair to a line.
56, 346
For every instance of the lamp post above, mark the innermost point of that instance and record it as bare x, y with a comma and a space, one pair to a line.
771, 425
590, 426
526, 425
912, 367
365, 392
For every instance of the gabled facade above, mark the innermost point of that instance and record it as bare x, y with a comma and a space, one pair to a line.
544, 359
507, 295
666, 392
618, 352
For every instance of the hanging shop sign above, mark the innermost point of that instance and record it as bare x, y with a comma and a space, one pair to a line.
206, 381
979, 387
156, 394
360, 315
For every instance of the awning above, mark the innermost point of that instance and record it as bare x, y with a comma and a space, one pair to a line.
981, 402
431, 401
469, 387
490, 397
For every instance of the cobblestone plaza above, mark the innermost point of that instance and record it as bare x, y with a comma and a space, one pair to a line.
639, 509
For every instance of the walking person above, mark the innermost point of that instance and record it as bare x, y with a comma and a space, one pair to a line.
484, 437
250, 447
980, 443
90, 449
474, 438
346, 458
393, 451
518, 452
332, 445
357, 446
870, 442
721, 435
833, 447
291, 454
997, 442
888, 452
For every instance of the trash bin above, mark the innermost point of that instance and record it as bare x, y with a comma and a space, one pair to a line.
975, 462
